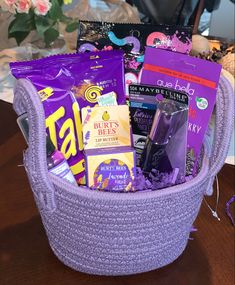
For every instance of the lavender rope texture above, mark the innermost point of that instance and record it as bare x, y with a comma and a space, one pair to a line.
117, 233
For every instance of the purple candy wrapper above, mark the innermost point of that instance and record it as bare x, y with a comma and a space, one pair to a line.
65, 84
62, 113
198, 78
96, 74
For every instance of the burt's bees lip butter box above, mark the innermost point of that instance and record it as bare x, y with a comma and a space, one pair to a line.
106, 126
112, 169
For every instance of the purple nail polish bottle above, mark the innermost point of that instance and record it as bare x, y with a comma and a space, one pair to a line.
154, 155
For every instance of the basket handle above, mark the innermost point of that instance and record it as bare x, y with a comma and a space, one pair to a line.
224, 123
27, 100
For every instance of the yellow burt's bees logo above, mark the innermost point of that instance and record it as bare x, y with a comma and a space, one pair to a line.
45, 93
107, 126
105, 116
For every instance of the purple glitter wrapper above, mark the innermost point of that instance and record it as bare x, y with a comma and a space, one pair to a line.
132, 39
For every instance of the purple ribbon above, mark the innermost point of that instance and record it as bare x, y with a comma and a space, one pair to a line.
228, 212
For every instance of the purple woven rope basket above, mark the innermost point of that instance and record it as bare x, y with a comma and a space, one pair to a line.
118, 233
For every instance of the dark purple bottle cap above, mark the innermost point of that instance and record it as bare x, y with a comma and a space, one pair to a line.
163, 122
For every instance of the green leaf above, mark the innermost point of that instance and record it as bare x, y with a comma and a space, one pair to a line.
72, 27
21, 23
56, 11
42, 24
21, 26
50, 36
65, 19
198, 99
19, 36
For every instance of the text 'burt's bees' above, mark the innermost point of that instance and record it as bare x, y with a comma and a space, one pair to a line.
106, 126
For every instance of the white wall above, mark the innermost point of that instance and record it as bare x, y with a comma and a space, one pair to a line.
222, 20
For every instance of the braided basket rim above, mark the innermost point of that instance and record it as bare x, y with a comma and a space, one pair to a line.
137, 195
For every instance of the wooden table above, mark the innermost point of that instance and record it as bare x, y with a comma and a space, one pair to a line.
25, 255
